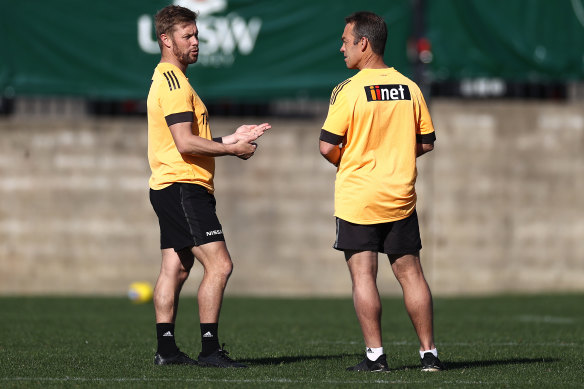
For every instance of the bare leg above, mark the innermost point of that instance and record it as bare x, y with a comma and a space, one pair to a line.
217, 268
417, 297
174, 271
363, 269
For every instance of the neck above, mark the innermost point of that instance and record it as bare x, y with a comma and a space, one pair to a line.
372, 61
168, 58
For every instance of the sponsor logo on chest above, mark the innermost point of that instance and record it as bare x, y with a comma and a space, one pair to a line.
387, 92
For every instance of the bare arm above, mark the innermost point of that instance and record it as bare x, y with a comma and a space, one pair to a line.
423, 148
330, 152
246, 131
330, 146
188, 143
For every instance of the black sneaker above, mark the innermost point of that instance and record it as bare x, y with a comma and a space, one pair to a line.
431, 363
178, 359
380, 364
218, 358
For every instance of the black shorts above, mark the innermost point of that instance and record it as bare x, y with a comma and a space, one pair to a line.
399, 237
186, 214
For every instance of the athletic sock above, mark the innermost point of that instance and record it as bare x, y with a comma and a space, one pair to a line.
373, 352
209, 338
166, 342
433, 351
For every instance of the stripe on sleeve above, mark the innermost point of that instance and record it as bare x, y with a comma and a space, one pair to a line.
167, 80
175, 78
169, 76
426, 138
337, 90
329, 137
181, 117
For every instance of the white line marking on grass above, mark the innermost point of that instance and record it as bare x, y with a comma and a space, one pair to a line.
463, 344
238, 381
513, 344
546, 319
333, 342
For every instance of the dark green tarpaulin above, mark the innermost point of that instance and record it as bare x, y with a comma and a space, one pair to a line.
265, 49
249, 49
519, 40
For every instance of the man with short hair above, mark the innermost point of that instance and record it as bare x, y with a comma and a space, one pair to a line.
181, 153
377, 125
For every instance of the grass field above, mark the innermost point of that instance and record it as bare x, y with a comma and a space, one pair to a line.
504, 341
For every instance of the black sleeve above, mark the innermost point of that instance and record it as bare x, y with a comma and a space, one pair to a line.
331, 138
426, 138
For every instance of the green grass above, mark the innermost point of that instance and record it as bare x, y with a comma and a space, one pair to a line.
504, 341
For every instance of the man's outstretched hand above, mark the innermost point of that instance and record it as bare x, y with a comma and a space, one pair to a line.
250, 132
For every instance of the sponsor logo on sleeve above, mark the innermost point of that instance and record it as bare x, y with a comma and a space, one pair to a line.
214, 232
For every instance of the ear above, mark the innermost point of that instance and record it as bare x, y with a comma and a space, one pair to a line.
166, 41
364, 42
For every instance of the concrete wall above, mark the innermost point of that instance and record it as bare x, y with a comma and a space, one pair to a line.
500, 205
506, 198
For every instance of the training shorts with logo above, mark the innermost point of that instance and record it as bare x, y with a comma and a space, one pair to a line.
187, 217
399, 237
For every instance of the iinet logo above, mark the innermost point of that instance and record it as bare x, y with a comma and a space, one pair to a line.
387, 92
215, 232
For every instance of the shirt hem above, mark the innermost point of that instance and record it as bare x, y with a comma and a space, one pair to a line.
209, 188
375, 221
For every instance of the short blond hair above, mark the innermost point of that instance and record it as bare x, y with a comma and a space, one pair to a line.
168, 17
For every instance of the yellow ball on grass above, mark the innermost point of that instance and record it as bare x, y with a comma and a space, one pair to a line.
140, 292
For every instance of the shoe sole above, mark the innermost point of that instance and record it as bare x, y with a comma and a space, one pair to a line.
205, 364
158, 363
371, 371
175, 363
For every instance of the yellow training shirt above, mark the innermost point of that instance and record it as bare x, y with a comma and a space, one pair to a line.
379, 113
172, 100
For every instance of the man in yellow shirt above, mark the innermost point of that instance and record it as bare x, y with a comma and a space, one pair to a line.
377, 125
181, 153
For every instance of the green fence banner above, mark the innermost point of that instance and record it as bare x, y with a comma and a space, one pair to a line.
258, 50
249, 49
516, 40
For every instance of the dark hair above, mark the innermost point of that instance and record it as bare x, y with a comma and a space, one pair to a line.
168, 17
370, 26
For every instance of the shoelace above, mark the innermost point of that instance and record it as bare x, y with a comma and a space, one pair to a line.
224, 353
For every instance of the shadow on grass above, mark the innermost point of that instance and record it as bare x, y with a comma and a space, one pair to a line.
487, 363
289, 359
274, 361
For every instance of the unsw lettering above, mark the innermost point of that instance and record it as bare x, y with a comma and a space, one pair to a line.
215, 232
387, 92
